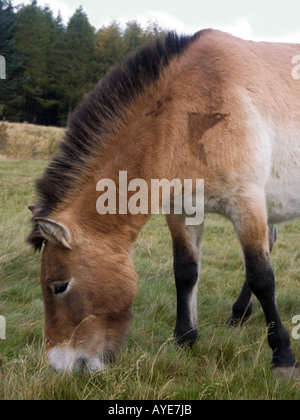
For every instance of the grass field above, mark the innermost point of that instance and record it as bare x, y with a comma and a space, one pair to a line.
223, 364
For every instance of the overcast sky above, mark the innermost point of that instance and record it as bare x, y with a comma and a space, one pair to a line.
277, 20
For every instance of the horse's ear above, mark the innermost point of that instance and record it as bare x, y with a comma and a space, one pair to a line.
54, 231
36, 210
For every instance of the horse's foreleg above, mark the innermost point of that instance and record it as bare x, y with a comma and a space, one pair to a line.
250, 220
186, 251
242, 308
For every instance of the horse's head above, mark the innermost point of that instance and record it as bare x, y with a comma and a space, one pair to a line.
88, 284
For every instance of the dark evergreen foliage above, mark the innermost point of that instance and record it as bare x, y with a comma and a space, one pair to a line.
11, 88
51, 66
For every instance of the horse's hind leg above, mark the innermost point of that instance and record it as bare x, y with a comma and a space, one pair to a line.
272, 236
186, 251
250, 219
242, 308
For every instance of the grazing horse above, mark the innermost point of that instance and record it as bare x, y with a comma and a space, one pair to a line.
209, 106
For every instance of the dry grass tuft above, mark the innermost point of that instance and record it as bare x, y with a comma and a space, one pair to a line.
28, 141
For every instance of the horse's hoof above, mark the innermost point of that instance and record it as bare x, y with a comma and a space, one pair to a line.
233, 322
186, 339
236, 322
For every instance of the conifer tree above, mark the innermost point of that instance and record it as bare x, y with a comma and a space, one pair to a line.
50, 66
79, 74
11, 89
40, 38
109, 48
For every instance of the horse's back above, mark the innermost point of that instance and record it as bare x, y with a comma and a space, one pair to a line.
259, 95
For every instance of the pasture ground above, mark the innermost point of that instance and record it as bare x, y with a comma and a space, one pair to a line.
224, 363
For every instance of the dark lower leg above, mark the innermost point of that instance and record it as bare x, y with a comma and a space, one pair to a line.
260, 277
186, 251
186, 278
242, 308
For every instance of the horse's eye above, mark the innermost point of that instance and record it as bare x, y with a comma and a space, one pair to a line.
60, 288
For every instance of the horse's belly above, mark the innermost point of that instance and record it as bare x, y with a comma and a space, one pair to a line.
283, 192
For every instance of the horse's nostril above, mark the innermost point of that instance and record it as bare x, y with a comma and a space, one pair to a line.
54, 367
79, 365
85, 366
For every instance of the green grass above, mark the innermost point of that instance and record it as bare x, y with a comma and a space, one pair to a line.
223, 364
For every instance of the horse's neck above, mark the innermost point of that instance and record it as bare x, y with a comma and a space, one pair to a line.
136, 157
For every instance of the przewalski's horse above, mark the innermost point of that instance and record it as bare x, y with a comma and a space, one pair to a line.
210, 107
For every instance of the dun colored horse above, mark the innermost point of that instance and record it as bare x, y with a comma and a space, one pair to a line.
209, 106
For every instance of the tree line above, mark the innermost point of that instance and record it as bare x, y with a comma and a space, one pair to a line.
50, 66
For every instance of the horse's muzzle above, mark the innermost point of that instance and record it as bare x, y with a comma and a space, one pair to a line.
68, 359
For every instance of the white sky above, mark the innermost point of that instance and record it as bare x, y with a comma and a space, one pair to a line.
270, 20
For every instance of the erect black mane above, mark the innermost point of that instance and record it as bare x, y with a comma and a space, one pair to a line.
94, 119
